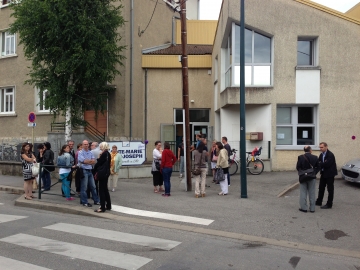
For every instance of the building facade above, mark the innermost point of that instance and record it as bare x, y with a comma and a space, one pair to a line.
301, 77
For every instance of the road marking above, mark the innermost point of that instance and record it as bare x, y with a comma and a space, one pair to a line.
115, 236
10, 264
144, 213
7, 218
1, 204
107, 257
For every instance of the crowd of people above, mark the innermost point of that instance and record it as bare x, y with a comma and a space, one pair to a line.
91, 166
164, 159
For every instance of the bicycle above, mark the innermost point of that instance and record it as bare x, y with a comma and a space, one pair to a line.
254, 164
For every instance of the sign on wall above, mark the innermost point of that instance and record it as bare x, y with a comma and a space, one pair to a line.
133, 153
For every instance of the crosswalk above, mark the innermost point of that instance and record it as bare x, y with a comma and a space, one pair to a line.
77, 251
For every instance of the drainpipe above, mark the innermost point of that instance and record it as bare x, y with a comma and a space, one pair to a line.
131, 61
146, 90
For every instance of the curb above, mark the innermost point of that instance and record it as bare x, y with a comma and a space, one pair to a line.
288, 189
14, 190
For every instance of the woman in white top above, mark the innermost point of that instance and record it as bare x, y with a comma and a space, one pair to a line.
155, 169
67, 161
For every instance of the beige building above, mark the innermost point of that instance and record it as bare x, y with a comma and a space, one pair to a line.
301, 76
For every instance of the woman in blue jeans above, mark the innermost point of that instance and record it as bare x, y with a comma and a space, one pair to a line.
168, 159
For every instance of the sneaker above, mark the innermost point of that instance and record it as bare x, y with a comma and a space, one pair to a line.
87, 205
70, 199
96, 203
229, 185
113, 190
165, 195
180, 175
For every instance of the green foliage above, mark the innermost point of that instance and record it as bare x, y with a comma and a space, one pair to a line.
74, 49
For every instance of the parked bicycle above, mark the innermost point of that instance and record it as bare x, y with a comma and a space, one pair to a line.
254, 164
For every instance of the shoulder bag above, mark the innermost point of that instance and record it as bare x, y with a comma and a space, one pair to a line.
219, 175
306, 175
35, 169
197, 171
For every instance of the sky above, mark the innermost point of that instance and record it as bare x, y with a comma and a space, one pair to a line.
209, 9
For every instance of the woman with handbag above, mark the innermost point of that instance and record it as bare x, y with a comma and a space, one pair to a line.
116, 162
223, 164
214, 157
27, 160
200, 169
155, 168
102, 173
65, 161
168, 160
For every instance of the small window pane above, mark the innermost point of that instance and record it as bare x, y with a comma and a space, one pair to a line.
248, 70
305, 136
284, 135
262, 48
178, 116
248, 45
262, 75
199, 116
305, 115
283, 115
304, 52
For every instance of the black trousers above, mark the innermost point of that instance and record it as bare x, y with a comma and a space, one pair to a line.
157, 178
329, 183
104, 194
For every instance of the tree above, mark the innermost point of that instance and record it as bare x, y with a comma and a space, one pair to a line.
74, 51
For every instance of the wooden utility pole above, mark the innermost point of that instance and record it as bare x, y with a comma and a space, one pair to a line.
185, 81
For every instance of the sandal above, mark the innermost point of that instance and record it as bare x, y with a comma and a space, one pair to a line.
99, 210
155, 190
28, 198
161, 189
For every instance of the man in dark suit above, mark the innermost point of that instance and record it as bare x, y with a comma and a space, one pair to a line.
328, 171
305, 162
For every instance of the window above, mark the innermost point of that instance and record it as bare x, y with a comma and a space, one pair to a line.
196, 115
296, 125
257, 58
306, 52
7, 44
7, 98
41, 97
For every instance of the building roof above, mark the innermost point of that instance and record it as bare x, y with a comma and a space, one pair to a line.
177, 50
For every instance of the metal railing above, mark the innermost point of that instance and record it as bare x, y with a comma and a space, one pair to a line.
99, 136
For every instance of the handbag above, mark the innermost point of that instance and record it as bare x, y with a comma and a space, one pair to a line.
219, 175
196, 171
157, 164
35, 169
308, 174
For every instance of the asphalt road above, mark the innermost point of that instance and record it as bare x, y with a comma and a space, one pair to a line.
66, 245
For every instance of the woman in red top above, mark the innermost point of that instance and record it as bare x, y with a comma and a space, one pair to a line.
168, 159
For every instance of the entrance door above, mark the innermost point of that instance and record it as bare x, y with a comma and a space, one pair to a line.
100, 123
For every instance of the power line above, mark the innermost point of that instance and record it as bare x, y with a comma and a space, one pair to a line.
143, 31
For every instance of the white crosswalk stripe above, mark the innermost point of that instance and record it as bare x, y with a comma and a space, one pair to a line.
7, 218
144, 213
118, 259
10, 264
115, 236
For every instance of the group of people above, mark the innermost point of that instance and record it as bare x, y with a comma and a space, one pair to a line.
326, 165
94, 170
163, 161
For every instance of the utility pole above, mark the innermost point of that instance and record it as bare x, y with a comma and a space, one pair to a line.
185, 81
243, 190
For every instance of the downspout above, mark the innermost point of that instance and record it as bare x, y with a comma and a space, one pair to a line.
131, 61
145, 128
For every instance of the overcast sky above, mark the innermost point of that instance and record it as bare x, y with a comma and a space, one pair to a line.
209, 9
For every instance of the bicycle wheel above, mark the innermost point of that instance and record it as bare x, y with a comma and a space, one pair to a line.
233, 168
255, 167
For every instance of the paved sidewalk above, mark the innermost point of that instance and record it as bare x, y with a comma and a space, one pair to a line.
263, 216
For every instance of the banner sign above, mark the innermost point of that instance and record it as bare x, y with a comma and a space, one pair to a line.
133, 153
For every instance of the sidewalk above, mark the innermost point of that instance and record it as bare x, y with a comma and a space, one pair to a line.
262, 214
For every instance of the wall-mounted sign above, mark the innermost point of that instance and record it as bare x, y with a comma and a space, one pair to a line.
133, 153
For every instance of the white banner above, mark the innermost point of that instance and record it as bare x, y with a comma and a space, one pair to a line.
133, 153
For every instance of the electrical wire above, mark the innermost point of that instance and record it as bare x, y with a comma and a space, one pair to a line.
143, 31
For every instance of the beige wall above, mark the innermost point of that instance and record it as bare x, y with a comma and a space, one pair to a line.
339, 47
